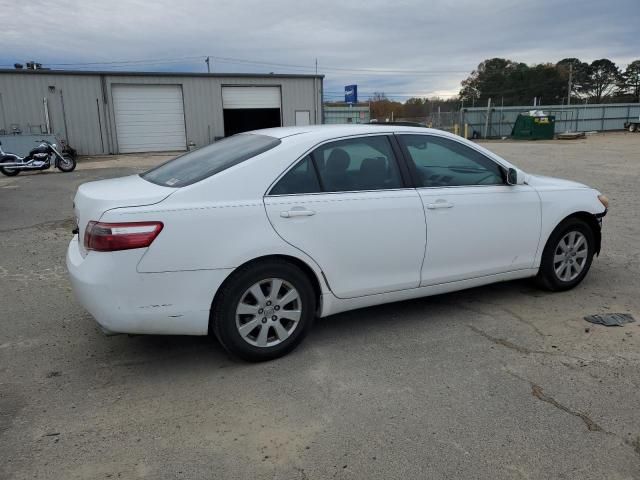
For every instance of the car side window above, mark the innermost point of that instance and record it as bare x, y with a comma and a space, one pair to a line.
441, 162
300, 179
362, 163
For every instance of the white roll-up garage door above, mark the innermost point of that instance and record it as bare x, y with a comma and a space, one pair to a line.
250, 97
149, 118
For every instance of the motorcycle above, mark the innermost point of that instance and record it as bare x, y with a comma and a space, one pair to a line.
41, 157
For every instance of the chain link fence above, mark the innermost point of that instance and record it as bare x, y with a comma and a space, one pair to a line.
498, 121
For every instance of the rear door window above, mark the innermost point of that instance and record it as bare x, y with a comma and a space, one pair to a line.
300, 179
362, 163
207, 161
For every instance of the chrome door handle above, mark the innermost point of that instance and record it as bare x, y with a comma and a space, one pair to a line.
297, 213
439, 204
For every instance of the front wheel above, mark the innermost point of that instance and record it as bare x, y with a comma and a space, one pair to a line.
264, 311
567, 256
632, 127
67, 164
9, 172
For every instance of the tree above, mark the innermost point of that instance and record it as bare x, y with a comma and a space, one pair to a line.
579, 71
487, 80
513, 83
604, 76
381, 107
630, 80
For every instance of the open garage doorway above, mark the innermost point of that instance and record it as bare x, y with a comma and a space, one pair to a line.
250, 108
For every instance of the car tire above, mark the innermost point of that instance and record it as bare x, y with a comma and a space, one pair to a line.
256, 324
632, 127
9, 172
567, 256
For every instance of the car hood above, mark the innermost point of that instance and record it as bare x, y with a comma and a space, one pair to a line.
540, 181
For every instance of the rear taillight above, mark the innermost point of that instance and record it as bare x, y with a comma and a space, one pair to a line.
107, 237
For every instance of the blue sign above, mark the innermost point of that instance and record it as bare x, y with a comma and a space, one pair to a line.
351, 94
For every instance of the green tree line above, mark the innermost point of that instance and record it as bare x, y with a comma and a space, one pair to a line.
516, 83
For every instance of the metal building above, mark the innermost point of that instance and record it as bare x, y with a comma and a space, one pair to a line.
123, 112
358, 113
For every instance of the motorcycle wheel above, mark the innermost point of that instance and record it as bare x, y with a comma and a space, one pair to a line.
9, 172
67, 164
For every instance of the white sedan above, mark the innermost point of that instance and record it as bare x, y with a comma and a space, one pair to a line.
254, 236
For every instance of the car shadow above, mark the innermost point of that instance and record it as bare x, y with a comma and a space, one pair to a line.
173, 352
408, 311
193, 351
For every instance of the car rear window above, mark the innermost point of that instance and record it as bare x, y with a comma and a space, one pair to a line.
207, 161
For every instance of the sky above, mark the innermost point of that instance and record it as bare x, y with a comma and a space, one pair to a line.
402, 47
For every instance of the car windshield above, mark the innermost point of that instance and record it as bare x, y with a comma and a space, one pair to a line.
207, 161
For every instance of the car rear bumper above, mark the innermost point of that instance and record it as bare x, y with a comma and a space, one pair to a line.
125, 301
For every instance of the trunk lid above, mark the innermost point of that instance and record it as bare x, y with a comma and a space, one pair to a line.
94, 198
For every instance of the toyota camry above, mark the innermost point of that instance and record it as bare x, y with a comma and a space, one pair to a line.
254, 236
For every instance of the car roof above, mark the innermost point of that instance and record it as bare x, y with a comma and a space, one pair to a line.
312, 134
340, 130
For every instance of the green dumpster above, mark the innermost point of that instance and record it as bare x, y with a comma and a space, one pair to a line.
534, 127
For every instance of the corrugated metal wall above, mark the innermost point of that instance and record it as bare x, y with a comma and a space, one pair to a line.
88, 105
22, 103
342, 114
575, 118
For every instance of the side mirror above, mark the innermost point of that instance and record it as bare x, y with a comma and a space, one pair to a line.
515, 177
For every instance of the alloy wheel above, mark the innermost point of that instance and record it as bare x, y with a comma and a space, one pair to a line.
268, 312
570, 256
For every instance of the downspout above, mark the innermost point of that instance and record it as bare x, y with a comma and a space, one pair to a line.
107, 116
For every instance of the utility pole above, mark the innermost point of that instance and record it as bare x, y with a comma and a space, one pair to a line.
486, 122
569, 87
208, 66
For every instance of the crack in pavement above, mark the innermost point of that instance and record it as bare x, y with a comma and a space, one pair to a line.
522, 349
501, 341
515, 315
538, 392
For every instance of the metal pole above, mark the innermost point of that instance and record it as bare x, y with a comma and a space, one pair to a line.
208, 66
569, 87
99, 124
4, 118
64, 119
316, 66
501, 116
486, 122
46, 115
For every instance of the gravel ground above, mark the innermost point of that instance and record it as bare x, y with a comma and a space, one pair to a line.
503, 381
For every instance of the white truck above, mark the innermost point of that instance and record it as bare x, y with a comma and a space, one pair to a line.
632, 125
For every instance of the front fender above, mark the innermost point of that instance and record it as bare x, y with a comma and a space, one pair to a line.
558, 205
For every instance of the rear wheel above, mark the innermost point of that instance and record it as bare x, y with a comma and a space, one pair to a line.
567, 256
9, 172
633, 127
264, 311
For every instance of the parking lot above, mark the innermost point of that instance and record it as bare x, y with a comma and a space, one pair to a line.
503, 381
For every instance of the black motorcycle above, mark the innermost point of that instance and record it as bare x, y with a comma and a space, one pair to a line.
42, 157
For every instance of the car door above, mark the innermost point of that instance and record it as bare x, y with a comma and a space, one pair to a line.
477, 225
347, 205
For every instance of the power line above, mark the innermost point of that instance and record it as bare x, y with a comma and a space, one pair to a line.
241, 61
